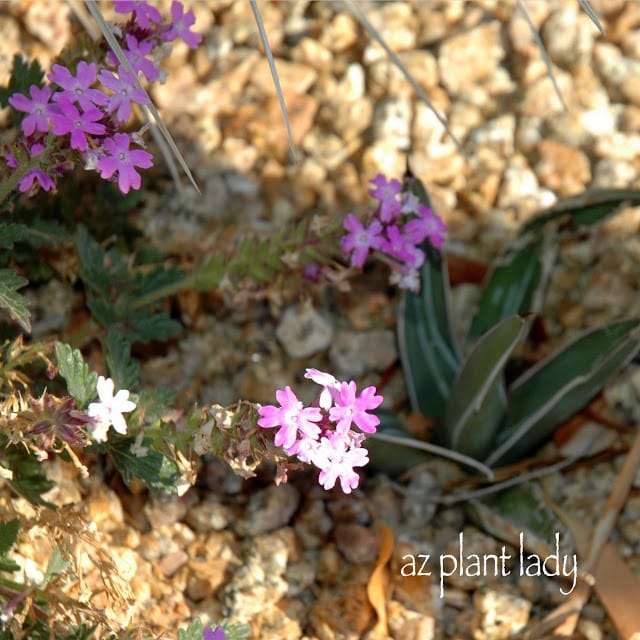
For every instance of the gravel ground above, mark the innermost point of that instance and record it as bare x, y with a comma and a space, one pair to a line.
294, 561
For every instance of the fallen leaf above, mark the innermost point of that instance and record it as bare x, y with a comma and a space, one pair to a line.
379, 582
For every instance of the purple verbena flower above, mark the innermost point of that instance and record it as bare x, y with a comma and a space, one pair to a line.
213, 634
396, 244
135, 52
35, 175
350, 408
119, 158
77, 88
146, 15
406, 279
180, 24
410, 202
66, 118
360, 240
436, 229
386, 192
37, 107
292, 417
125, 92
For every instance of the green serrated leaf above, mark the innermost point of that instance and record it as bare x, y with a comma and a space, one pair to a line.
560, 385
510, 288
91, 263
519, 515
8, 535
29, 480
156, 280
11, 233
158, 326
194, 631
82, 632
8, 565
583, 210
475, 406
208, 277
11, 301
81, 381
23, 75
235, 631
123, 369
155, 469
56, 565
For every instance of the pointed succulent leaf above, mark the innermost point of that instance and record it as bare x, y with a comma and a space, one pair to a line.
559, 386
515, 512
513, 287
427, 351
584, 210
476, 404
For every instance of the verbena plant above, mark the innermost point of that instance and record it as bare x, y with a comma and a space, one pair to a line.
51, 402
461, 388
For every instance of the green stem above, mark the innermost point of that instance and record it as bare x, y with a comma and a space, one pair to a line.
188, 282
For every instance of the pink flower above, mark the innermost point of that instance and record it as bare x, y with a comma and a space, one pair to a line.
77, 88
350, 408
322, 435
436, 229
396, 244
124, 161
386, 193
67, 119
35, 175
135, 52
146, 15
213, 634
327, 382
292, 417
410, 202
360, 239
37, 108
180, 24
125, 92
337, 459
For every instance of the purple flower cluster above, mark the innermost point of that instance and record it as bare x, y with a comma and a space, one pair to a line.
91, 116
398, 226
322, 434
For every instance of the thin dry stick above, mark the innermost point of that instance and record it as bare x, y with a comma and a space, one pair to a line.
586, 7
543, 52
158, 128
357, 12
274, 75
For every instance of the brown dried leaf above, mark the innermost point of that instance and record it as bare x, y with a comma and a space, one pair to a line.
379, 582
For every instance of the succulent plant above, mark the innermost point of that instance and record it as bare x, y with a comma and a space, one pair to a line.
462, 389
